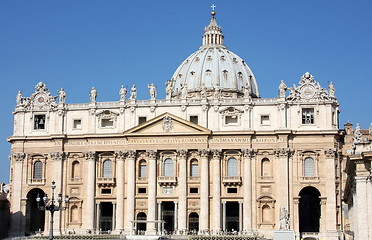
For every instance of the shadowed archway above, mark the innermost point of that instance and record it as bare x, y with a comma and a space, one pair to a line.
309, 209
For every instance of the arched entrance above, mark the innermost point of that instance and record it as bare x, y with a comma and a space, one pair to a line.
141, 226
309, 209
194, 222
35, 218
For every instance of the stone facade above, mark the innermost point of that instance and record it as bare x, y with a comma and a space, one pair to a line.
209, 159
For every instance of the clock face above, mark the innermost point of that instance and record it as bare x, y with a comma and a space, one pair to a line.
40, 99
308, 91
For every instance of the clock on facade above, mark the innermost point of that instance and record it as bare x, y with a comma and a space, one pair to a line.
308, 91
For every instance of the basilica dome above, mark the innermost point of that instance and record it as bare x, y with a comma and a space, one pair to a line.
213, 67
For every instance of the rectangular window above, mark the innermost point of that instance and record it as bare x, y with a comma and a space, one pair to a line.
232, 190
194, 190
143, 171
141, 190
107, 123
194, 119
194, 170
231, 120
308, 116
39, 122
106, 191
265, 120
141, 120
77, 124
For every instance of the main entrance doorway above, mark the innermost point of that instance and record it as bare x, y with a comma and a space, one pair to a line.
309, 209
168, 216
105, 220
141, 226
194, 222
232, 216
35, 218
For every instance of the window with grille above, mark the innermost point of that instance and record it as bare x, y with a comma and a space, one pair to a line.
38, 170
107, 169
309, 167
39, 122
194, 171
143, 169
308, 116
232, 167
168, 167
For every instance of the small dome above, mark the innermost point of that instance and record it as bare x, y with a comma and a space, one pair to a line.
214, 66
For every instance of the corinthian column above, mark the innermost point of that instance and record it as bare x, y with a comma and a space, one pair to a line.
17, 159
247, 189
120, 192
57, 158
204, 190
216, 189
331, 223
90, 159
182, 188
283, 154
151, 197
131, 186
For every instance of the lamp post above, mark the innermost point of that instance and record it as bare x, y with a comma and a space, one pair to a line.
50, 206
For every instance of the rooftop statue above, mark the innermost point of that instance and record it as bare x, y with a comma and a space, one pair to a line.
152, 91
93, 95
133, 93
19, 98
62, 95
123, 93
332, 90
282, 89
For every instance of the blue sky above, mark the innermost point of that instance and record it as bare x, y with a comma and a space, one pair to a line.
106, 44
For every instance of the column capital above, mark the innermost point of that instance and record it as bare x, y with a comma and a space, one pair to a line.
19, 157
216, 153
204, 152
249, 152
57, 156
330, 152
182, 153
152, 154
131, 154
282, 152
90, 156
120, 155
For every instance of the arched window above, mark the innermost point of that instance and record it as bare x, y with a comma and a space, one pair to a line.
38, 170
75, 170
107, 169
265, 168
75, 214
142, 169
168, 167
266, 214
194, 168
232, 167
309, 167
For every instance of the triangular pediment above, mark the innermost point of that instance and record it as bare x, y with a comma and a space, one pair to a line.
167, 124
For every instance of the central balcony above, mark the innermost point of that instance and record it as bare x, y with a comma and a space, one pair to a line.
167, 181
106, 182
232, 181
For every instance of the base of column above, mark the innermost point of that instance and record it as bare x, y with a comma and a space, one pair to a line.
151, 232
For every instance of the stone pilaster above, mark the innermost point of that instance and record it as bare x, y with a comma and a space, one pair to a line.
204, 190
330, 155
16, 214
216, 163
182, 190
248, 154
362, 183
57, 158
120, 191
151, 197
131, 187
90, 158
283, 192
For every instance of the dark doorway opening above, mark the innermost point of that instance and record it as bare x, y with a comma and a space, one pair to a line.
194, 222
309, 209
232, 216
168, 216
35, 218
105, 219
141, 226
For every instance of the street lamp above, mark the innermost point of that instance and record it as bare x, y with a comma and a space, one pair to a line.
50, 206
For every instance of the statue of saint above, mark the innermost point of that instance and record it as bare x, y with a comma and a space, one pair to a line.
184, 91
123, 93
357, 135
217, 92
282, 89
152, 91
332, 90
93, 95
133, 92
284, 219
19, 98
203, 92
168, 90
247, 90
62, 95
